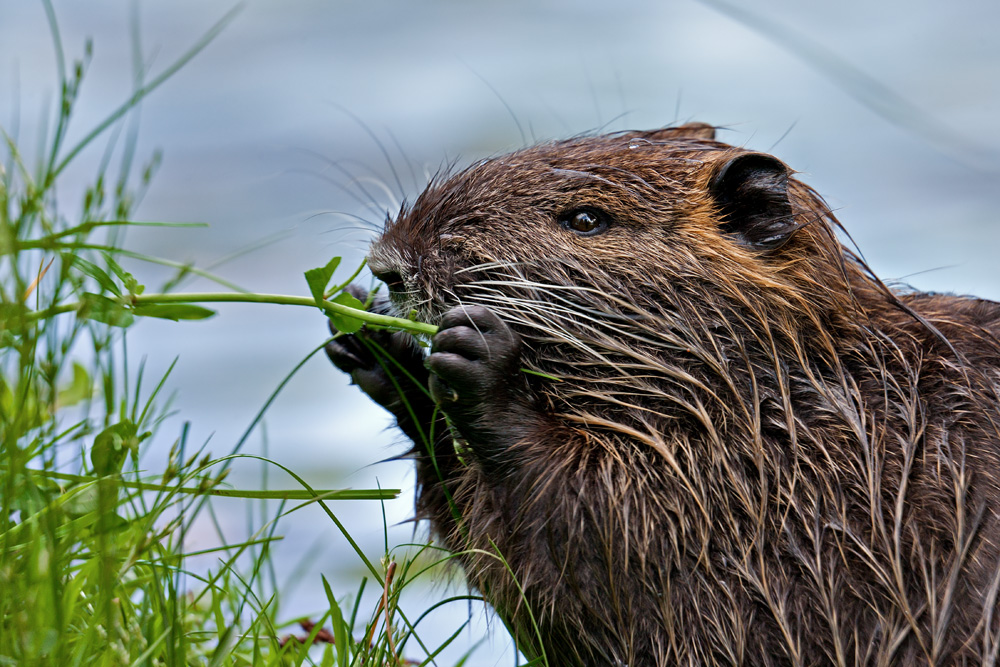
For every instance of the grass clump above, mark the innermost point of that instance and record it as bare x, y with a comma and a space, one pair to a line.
94, 562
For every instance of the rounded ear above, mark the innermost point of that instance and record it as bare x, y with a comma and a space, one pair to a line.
702, 131
751, 191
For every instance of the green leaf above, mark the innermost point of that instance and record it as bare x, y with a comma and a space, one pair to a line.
541, 375
346, 323
32, 494
319, 278
223, 650
81, 501
128, 280
340, 629
132, 285
11, 314
25, 404
178, 311
80, 388
461, 450
112, 444
102, 309
95, 272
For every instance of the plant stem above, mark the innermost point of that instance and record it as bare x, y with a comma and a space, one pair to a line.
272, 494
277, 299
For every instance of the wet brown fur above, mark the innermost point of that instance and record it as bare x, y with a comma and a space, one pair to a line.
750, 457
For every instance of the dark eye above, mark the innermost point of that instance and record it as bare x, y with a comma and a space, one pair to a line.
585, 221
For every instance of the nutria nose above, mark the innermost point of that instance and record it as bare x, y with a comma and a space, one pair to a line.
392, 279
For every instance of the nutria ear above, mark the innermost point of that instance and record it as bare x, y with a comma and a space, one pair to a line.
702, 131
751, 191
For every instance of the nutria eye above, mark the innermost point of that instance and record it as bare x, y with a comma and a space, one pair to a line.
585, 221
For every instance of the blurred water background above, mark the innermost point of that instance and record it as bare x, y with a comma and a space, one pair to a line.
303, 116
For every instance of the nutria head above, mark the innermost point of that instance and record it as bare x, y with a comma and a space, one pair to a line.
668, 237
696, 207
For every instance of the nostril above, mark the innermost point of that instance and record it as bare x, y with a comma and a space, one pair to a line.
393, 280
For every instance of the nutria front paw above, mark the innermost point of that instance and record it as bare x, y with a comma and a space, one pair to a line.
474, 363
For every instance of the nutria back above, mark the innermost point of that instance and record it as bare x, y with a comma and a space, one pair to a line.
673, 420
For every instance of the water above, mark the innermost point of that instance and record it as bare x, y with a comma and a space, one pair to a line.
260, 135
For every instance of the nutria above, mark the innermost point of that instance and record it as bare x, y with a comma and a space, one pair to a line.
696, 427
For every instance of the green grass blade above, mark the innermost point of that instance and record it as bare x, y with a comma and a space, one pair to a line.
136, 97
